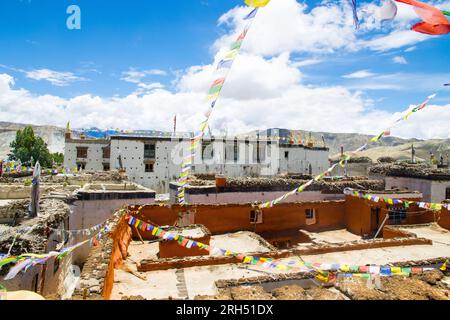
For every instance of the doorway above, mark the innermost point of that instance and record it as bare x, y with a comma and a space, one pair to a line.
374, 220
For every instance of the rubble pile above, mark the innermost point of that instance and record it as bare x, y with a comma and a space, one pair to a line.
410, 171
105, 176
290, 183
395, 288
16, 210
31, 234
360, 160
292, 292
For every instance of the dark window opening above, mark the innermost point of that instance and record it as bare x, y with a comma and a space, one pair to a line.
106, 167
286, 154
255, 217
310, 213
206, 153
149, 167
82, 152
106, 152
235, 151
81, 166
447, 193
258, 155
149, 151
397, 215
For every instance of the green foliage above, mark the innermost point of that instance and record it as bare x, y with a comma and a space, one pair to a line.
27, 182
27, 145
58, 157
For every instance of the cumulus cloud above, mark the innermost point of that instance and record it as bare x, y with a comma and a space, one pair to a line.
333, 108
290, 26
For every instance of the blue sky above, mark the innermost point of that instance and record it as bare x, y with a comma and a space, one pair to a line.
162, 40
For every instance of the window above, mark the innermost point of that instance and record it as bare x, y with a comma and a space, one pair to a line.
236, 151
286, 154
149, 167
258, 153
310, 213
82, 152
106, 152
106, 167
149, 151
256, 217
310, 216
447, 193
397, 215
207, 153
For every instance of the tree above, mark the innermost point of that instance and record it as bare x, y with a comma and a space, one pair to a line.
58, 157
27, 145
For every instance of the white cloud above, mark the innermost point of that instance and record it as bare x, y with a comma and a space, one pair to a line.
399, 60
359, 75
264, 89
242, 107
56, 78
136, 76
394, 40
251, 77
289, 26
306, 62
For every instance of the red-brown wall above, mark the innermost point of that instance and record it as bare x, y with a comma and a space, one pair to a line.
121, 236
358, 215
219, 219
444, 219
171, 249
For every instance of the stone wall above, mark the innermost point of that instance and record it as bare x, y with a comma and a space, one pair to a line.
97, 277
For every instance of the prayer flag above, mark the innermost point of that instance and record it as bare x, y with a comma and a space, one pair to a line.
257, 3
252, 14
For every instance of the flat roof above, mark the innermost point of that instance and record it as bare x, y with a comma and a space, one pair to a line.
410, 171
249, 184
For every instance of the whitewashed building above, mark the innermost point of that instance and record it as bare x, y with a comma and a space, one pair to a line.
154, 161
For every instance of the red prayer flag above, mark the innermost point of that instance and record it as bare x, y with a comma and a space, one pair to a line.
427, 12
434, 30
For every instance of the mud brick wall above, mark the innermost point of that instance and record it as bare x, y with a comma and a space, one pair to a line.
97, 277
444, 218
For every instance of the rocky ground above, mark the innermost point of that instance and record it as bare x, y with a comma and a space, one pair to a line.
428, 286
410, 170
29, 235
289, 182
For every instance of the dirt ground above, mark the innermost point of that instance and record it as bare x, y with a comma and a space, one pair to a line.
424, 287
396, 288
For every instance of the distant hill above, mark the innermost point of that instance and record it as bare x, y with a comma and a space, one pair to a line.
53, 136
398, 148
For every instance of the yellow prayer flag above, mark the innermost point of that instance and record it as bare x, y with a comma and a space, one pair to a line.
345, 268
396, 270
257, 3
